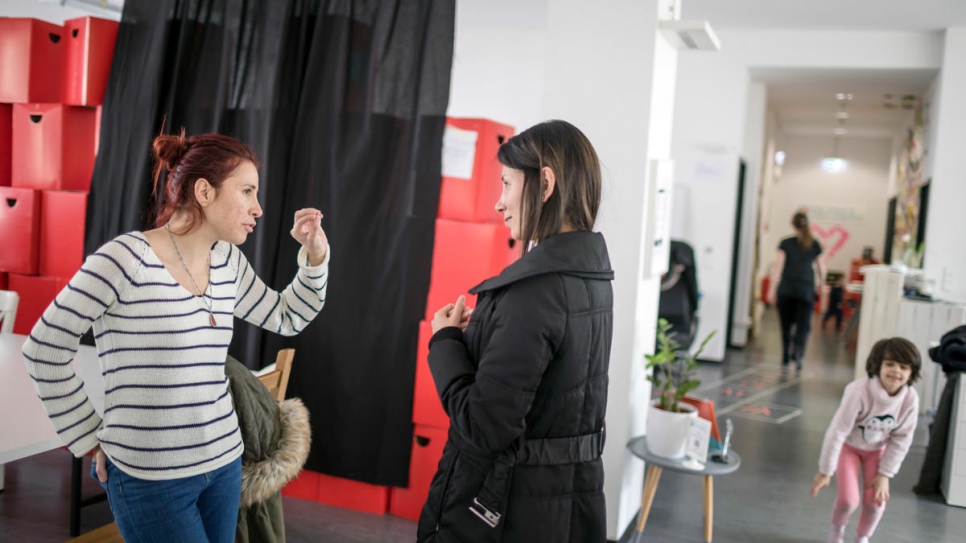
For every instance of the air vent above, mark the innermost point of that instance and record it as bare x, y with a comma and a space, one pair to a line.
690, 35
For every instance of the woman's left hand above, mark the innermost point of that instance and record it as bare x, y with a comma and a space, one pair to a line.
452, 315
880, 488
308, 231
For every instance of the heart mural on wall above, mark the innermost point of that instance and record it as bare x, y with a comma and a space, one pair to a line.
832, 239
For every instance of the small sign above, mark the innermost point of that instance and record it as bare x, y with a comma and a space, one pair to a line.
459, 152
698, 437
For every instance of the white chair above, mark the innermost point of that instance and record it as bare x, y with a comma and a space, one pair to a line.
8, 313
8, 310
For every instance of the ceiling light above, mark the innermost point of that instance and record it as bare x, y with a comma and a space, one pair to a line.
840, 96
839, 131
842, 115
780, 157
834, 164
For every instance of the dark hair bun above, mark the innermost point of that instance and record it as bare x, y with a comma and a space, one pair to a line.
169, 149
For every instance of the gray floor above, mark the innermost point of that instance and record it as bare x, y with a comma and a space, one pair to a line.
765, 501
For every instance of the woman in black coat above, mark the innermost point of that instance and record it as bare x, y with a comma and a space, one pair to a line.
525, 380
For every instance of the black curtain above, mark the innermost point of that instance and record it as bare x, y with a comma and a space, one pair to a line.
344, 103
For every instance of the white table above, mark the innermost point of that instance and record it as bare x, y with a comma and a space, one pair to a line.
25, 429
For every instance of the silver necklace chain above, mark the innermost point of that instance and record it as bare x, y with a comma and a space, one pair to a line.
206, 301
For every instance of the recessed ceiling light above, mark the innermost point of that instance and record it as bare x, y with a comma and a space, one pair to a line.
840, 96
839, 131
842, 115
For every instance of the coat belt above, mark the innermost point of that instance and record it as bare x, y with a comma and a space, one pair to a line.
531, 452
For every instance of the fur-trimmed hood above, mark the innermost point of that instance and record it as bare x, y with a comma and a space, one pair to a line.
263, 478
277, 435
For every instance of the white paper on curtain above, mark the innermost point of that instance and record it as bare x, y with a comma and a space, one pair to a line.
657, 244
459, 152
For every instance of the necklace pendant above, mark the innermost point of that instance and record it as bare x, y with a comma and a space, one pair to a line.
211, 319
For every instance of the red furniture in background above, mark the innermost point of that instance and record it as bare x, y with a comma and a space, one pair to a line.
32, 53
6, 143
53, 146
52, 81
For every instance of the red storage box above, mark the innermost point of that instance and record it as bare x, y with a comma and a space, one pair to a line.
350, 494
427, 451
53, 146
465, 254
6, 143
62, 221
303, 487
19, 230
31, 54
470, 195
427, 409
87, 60
36, 293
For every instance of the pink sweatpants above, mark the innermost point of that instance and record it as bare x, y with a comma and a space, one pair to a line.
847, 481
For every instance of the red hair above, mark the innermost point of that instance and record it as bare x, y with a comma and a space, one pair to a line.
212, 157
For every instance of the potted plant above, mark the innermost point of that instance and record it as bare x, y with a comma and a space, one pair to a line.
672, 373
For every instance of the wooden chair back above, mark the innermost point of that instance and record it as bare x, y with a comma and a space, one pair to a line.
276, 381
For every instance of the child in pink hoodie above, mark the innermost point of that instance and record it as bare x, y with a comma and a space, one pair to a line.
871, 431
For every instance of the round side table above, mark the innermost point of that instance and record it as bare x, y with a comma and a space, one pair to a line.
656, 464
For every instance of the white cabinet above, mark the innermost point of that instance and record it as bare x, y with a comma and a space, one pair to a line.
953, 483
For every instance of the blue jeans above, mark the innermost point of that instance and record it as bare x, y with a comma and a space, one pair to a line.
198, 509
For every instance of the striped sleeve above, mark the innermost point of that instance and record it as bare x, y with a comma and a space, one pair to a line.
286, 313
55, 338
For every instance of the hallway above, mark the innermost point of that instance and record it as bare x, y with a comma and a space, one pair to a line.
765, 501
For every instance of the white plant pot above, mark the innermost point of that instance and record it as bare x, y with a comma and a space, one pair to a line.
667, 432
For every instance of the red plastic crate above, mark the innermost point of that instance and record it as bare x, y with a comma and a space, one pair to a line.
53, 146
6, 143
473, 198
303, 487
32, 54
36, 293
427, 409
19, 230
355, 495
62, 220
465, 254
427, 450
87, 59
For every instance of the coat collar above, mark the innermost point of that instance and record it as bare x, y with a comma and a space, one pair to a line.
582, 254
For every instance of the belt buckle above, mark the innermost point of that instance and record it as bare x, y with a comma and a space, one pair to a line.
489, 517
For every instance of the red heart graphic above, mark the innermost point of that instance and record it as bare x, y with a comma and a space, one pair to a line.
827, 235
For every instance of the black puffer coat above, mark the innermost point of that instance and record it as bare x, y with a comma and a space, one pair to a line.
526, 391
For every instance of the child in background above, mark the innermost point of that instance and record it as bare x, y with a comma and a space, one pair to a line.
871, 430
836, 293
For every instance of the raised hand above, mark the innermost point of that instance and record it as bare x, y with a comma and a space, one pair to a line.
307, 230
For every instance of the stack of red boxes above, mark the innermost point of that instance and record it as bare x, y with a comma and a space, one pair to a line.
52, 82
472, 244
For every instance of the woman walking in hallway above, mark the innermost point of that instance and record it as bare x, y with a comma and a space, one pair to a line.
793, 280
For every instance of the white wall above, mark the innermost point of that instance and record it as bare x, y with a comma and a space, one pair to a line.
525, 62
855, 200
753, 152
499, 61
708, 140
945, 259
52, 12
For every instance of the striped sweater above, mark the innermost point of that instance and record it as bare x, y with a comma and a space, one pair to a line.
167, 410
